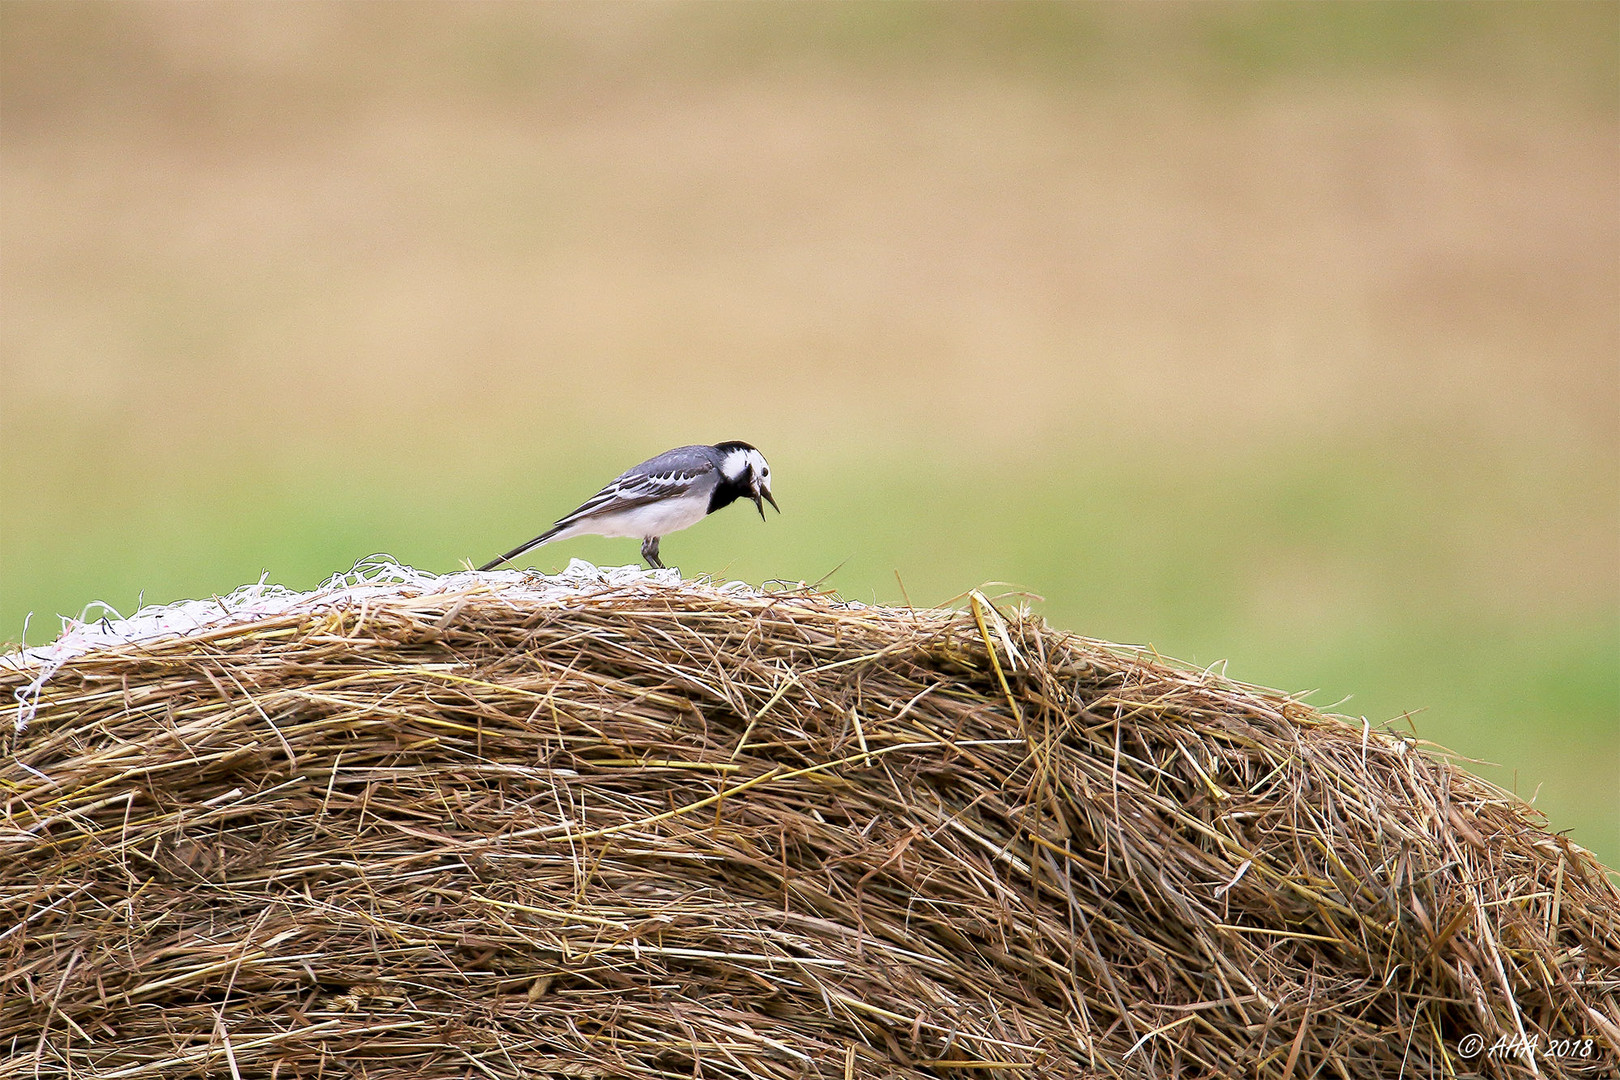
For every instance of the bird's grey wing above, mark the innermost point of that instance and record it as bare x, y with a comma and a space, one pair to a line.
666, 476
674, 472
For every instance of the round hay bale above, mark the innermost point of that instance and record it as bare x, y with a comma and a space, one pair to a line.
613, 823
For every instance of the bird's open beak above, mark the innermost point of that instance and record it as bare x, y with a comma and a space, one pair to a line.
760, 505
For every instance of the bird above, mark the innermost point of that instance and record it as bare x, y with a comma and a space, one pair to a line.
665, 494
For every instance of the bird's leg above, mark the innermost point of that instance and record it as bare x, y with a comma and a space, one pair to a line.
649, 552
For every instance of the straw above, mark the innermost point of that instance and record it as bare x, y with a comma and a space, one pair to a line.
612, 823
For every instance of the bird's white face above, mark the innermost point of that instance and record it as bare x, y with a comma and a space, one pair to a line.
758, 471
746, 465
749, 467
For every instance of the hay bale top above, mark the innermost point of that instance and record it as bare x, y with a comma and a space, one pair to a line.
613, 823
374, 581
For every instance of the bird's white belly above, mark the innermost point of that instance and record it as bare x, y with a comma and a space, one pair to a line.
656, 519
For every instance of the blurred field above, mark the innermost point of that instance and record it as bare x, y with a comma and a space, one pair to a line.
1284, 335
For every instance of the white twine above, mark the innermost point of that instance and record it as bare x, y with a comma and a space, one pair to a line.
379, 577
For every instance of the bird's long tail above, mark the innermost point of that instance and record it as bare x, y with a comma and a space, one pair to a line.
521, 548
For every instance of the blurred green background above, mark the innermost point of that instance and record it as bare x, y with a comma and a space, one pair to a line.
1281, 335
